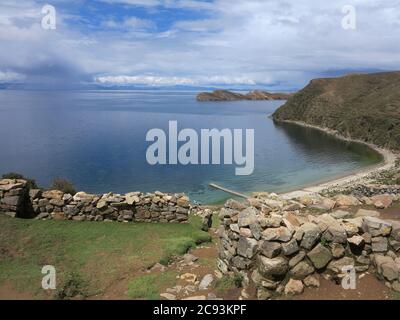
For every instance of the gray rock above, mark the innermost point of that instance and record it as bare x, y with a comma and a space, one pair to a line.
337, 265
270, 249
294, 287
281, 234
241, 263
276, 267
379, 244
309, 234
296, 259
247, 247
290, 247
312, 281
302, 270
206, 281
387, 267
376, 227
247, 217
320, 256
338, 250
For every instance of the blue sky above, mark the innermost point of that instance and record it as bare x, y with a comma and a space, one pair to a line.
273, 44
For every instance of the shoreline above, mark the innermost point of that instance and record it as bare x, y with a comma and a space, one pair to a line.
388, 162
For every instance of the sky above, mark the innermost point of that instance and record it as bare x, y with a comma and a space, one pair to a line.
273, 44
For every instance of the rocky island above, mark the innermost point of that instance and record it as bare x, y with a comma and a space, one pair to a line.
225, 95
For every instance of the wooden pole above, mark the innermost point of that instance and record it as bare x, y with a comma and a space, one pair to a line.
228, 191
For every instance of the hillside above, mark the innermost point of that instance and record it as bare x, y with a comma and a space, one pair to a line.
225, 95
359, 106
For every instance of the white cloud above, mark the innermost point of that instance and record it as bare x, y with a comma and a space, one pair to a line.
7, 76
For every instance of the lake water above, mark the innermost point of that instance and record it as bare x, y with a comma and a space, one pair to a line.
96, 139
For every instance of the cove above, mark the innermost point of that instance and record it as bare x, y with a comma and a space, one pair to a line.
97, 140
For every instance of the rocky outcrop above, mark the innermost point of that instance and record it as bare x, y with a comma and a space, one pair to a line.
225, 95
18, 201
283, 245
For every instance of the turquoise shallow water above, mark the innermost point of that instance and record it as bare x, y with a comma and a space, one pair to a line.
96, 139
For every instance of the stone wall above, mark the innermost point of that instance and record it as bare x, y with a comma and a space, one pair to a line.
373, 190
18, 201
284, 245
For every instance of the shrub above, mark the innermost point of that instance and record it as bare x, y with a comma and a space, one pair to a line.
13, 175
63, 185
74, 286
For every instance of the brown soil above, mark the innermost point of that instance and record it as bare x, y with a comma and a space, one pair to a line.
368, 288
8, 292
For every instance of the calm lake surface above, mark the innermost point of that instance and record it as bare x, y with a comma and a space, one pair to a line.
96, 139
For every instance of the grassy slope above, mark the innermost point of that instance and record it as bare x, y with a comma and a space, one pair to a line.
363, 106
99, 252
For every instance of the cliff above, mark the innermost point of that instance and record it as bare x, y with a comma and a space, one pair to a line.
225, 95
358, 106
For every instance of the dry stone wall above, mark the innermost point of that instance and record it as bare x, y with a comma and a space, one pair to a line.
17, 200
284, 245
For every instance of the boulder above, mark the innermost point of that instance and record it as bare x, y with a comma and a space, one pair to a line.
340, 214
247, 247
308, 234
356, 244
281, 234
338, 265
235, 205
320, 256
247, 217
346, 200
386, 266
382, 201
206, 282
376, 227
53, 194
296, 259
294, 287
338, 250
379, 244
270, 249
273, 221
395, 233
312, 281
302, 270
276, 267
290, 247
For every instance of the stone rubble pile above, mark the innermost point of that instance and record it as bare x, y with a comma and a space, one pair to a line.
285, 245
374, 189
16, 199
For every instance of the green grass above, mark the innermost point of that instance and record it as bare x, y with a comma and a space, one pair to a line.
100, 252
228, 282
149, 287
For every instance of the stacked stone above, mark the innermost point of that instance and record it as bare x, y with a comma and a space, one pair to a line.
13, 194
133, 206
372, 190
284, 250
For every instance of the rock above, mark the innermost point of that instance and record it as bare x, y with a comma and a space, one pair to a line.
325, 204
312, 281
379, 244
396, 286
263, 294
195, 298
189, 277
256, 230
290, 220
382, 201
188, 258
367, 237
53, 194
235, 205
274, 221
367, 213
293, 206
276, 267
281, 234
247, 247
296, 259
241, 263
42, 215
335, 233
57, 202
132, 198
270, 249
340, 214
79, 218
356, 244
338, 265
346, 201
245, 232
290, 247
11, 201
247, 217
320, 256
387, 267
101, 204
376, 227
395, 233
168, 296
206, 281
309, 234
35, 193
83, 196
294, 287
302, 270
183, 202
338, 250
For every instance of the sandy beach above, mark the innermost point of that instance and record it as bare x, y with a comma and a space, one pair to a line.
389, 160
